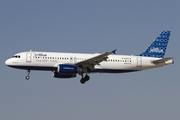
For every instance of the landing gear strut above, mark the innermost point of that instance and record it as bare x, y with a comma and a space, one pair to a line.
84, 79
27, 77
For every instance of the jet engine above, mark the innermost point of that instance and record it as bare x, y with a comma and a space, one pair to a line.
64, 68
63, 75
66, 71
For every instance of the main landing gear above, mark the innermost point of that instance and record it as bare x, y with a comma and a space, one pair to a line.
27, 77
84, 79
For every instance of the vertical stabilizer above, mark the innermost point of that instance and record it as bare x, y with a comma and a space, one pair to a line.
158, 47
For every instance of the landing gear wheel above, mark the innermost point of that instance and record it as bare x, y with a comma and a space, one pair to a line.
86, 77
83, 81
27, 77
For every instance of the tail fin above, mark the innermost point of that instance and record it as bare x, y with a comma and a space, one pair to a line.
158, 47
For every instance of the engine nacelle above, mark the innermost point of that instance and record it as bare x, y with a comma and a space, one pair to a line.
63, 75
63, 68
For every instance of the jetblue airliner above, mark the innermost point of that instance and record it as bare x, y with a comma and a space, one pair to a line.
68, 65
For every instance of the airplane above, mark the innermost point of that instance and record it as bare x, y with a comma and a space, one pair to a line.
68, 65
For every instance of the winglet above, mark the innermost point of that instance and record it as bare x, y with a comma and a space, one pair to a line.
114, 51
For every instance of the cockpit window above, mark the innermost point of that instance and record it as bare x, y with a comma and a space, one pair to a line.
16, 56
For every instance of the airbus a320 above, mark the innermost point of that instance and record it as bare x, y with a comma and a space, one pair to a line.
68, 65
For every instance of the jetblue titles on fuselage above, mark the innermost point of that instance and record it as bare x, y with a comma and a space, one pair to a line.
40, 54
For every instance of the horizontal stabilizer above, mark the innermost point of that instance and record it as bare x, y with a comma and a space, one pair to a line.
162, 60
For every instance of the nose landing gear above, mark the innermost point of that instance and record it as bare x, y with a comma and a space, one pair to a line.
27, 77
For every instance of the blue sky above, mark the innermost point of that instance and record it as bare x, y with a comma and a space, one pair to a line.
94, 26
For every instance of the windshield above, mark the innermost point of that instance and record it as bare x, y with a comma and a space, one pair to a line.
16, 56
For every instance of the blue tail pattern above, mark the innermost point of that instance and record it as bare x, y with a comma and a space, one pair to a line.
158, 47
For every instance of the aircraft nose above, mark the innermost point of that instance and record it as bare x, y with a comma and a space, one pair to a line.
7, 62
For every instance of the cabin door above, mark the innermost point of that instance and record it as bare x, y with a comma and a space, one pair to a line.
28, 57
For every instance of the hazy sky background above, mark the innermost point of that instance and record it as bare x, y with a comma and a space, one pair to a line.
94, 26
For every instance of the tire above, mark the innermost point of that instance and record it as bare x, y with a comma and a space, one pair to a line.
82, 81
27, 77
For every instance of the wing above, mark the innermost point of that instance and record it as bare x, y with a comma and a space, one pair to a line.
91, 62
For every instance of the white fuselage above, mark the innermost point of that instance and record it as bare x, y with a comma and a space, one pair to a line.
51, 60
